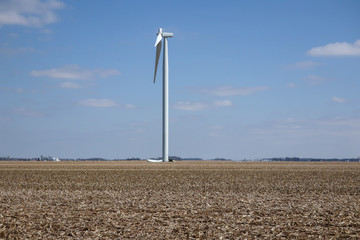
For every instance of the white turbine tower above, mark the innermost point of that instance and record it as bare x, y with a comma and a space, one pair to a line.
161, 39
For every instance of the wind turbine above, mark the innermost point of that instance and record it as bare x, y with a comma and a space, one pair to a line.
161, 39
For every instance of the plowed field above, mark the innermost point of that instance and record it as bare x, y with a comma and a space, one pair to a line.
181, 200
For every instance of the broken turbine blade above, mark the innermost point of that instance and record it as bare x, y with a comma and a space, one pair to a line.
158, 52
158, 39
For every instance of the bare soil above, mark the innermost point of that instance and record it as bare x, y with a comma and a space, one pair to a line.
181, 200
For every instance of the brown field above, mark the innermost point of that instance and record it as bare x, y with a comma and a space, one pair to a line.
182, 200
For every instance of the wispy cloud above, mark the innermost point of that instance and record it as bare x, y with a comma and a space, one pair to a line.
27, 112
130, 106
106, 73
314, 79
29, 13
74, 72
70, 85
198, 106
13, 35
337, 49
338, 100
291, 85
47, 31
102, 103
223, 103
16, 51
190, 106
216, 131
304, 65
350, 123
224, 91
339, 126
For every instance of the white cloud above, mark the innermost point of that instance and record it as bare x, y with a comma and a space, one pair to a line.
74, 72
338, 100
231, 91
107, 72
29, 12
66, 72
223, 103
130, 106
103, 103
70, 85
304, 65
337, 49
197, 106
190, 106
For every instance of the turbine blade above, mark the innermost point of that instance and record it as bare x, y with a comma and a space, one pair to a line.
158, 51
158, 39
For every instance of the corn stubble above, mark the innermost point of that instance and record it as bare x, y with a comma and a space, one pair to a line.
182, 200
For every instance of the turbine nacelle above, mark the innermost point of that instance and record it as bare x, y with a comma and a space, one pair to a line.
167, 35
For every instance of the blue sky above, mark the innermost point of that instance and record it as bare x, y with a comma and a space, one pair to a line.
248, 79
